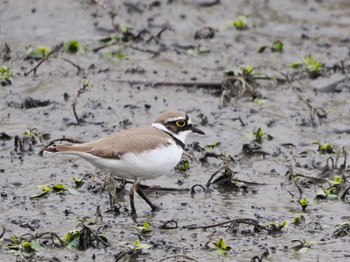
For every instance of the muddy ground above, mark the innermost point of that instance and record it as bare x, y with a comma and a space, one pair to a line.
263, 181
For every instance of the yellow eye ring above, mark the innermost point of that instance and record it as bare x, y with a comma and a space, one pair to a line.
180, 123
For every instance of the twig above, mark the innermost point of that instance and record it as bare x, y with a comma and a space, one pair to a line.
214, 85
73, 64
56, 49
80, 91
165, 225
248, 221
177, 256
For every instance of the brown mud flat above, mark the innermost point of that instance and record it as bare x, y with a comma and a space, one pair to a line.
252, 192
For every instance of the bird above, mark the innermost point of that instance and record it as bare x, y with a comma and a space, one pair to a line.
139, 153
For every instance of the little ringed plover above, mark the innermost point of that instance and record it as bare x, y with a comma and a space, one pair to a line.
139, 153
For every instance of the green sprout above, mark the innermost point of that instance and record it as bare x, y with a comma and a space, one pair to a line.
110, 40
312, 66
260, 135
183, 165
54, 188
26, 249
261, 49
139, 246
277, 226
81, 238
304, 203
242, 23
145, 228
324, 148
116, 54
332, 192
5, 75
213, 145
277, 46
221, 247
247, 70
298, 220
40, 52
73, 47
78, 182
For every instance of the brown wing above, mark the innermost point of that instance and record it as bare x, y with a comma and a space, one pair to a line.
117, 144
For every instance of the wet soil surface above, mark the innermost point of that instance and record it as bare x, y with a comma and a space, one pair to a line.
274, 194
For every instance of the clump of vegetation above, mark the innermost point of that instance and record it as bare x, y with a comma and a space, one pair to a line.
183, 166
310, 65
57, 188
73, 47
304, 203
5, 75
38, 53
242, 23
81, 238
277, 46
221, 247
120, 55
326, 148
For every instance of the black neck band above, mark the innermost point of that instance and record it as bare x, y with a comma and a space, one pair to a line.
177, 141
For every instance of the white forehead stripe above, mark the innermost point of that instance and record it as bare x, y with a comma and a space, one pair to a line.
178, 118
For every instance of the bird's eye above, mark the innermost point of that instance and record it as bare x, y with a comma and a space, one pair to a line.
180, 123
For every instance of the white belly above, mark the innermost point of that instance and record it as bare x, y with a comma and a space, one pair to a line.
146, 165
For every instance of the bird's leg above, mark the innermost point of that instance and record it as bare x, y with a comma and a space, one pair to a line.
143, 196
131, 195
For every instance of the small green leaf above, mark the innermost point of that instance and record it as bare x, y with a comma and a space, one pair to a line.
277, 46
71, 46
296, 64
138, 245
312, 64
261, 49
112, 39
247, 70
78, 182
40, 52
145, 228
5, 73
59, 187
116, 54
27, 247
46, 188
183, 166
325, 148
298, 220
221, 247
304, 203
338, 180
259, 135
241, 23
213, 145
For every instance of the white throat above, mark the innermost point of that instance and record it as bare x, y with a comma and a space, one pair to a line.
182, 136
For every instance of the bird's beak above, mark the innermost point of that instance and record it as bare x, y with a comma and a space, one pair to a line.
197, 130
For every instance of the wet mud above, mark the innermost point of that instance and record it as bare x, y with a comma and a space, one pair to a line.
268, 182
